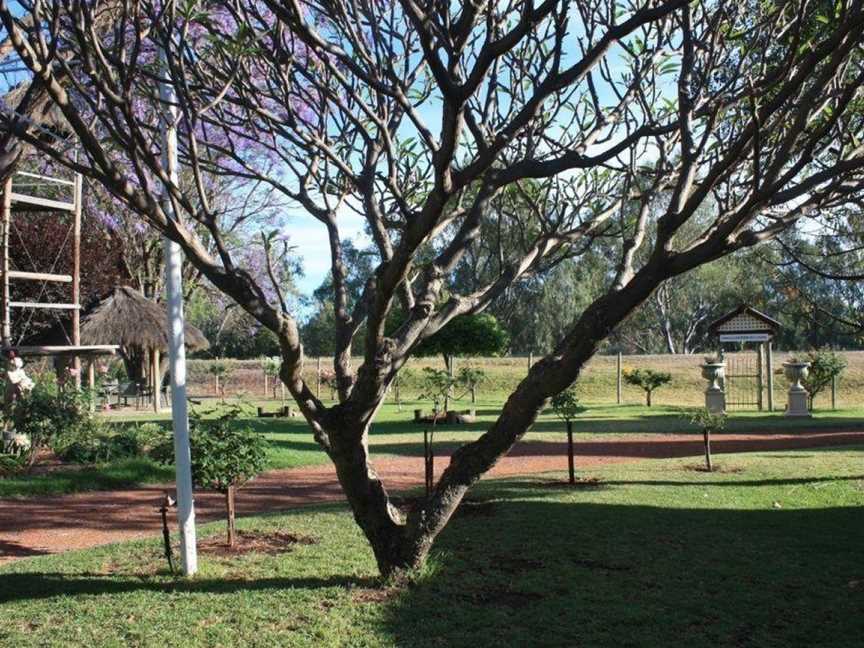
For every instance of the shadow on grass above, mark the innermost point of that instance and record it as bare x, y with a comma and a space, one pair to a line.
636, 449
10, 548
556, 574
32, 586
620, 419
794, 481
537, 570
116, 475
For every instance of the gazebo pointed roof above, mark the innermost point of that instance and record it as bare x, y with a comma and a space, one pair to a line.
745, 319
127, 318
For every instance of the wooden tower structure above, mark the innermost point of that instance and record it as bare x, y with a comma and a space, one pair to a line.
21, 193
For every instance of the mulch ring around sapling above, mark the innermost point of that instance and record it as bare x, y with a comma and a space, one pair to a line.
716, 468
581, 482
263, 542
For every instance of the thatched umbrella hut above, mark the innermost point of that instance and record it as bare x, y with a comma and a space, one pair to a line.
140, 327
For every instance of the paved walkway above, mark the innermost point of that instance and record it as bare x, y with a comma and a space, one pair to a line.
43, 525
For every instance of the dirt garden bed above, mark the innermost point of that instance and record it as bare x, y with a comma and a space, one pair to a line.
40, 525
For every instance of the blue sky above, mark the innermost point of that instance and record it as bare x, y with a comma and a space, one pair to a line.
310, 240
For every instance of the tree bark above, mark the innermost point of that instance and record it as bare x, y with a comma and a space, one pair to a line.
570, 464
230, 513
707, 438
402, 543
429, 460
448, 363
381, 522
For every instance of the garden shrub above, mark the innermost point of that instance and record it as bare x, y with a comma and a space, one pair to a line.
708, 422
225, 455
48, 413
825, 366
567, 407
11, 464
472, 378
148, 436
646, 379
82, 445
95, 443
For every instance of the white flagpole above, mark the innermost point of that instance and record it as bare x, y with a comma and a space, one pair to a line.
176, 340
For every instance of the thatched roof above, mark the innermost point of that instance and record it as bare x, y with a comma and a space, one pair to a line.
44, 113
128, 318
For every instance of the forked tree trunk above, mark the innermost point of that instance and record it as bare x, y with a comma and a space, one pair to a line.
230, 513
381, 522
401, 543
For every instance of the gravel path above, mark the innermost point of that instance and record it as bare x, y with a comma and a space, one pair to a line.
44, 525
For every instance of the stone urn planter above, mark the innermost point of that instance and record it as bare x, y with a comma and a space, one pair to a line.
796, 372
715, 397
713, 372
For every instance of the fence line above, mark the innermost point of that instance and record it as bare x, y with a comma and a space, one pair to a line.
600, 382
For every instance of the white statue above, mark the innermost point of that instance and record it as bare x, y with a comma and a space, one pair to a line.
17, 379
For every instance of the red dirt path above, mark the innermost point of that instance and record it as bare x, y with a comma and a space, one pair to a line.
43, 525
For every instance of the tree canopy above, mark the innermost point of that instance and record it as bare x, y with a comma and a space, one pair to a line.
660, 135
467, 335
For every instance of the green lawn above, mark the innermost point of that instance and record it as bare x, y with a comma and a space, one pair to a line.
393, 433
766, 553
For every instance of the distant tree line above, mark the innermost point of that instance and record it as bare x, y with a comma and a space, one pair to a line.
815, 311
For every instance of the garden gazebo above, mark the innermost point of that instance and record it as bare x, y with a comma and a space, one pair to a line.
139, 327
748, 373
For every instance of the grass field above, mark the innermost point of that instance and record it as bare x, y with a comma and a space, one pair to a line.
767, 552
597, 384
393, 434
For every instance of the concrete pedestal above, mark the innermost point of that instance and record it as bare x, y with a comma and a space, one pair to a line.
715, 401
797, 403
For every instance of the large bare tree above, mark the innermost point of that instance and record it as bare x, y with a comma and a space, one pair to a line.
608, 120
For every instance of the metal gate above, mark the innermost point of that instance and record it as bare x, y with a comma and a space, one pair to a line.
743, 383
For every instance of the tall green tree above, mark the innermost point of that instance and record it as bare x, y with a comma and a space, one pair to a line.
467, 335
666, 134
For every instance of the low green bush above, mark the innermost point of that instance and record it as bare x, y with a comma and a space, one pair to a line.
225, 455
825, 366
48, 412
646, 379
12, 464
95, 443
82, 447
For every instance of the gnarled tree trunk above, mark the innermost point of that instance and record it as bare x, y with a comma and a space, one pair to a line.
402, 542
